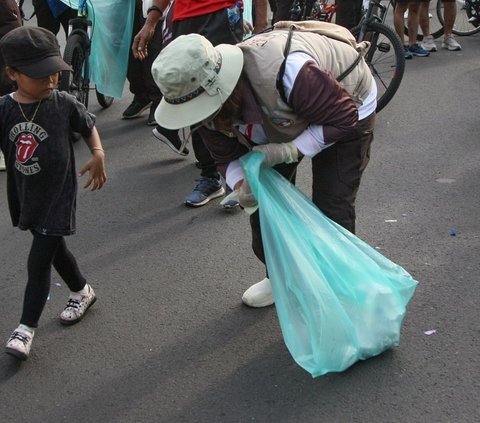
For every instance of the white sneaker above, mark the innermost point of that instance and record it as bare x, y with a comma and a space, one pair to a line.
259, 295
19, 344
428, 43
2, 162
450, 43
77, 306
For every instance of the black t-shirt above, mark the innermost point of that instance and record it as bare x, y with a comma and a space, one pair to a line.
41, 176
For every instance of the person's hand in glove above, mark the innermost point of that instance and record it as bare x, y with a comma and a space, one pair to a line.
278, 153
243, 194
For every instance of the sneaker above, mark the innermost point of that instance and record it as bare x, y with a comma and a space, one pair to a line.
416, 50
77, 306
407, 53
259, 295
2, 162
450, 43
151, 116
428, 43
19, 344
207, 189
172, 139
136, 108
230, 204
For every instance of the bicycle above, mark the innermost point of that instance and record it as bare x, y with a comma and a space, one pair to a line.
77, 54
467, 21
385, 57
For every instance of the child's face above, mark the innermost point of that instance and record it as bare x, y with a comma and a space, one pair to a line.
33, 89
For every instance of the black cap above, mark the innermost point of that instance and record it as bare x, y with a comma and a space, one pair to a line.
32, 51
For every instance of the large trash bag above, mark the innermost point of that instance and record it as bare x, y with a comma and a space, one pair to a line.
338, 300
111, 41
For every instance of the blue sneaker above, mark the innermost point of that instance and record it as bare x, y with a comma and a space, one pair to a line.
416, 50
207, 189
408, 54
230, 204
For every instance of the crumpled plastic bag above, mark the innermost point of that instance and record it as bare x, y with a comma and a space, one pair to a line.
112, 23
338, 300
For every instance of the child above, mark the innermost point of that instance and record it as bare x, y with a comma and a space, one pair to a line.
35, 122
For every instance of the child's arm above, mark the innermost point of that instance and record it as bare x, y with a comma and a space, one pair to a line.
96, 165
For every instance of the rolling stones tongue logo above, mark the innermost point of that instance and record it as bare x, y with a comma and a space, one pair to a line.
26, 145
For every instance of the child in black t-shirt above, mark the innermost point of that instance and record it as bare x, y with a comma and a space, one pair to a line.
35, 122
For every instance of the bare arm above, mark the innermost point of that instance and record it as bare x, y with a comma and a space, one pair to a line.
141, 40
261, 11
96, 165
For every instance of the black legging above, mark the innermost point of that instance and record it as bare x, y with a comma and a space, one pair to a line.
47, 250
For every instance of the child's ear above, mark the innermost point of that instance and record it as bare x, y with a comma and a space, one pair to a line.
11, 73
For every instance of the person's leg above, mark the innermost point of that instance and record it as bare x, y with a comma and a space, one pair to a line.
135, 73
45, 18
449, 15
428, 43
40, 259
336, 174
413, 22
398, 24
260, 294
217, 29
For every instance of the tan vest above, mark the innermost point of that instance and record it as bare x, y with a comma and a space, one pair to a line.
263, 56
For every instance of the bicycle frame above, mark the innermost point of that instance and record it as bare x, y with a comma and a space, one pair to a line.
376, 12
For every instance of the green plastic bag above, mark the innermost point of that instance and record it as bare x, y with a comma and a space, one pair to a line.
112, 25
338, 300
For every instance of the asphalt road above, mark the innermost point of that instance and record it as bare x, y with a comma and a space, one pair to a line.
170, 341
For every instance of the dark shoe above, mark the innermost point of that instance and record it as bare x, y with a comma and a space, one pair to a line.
151, 116
418, 51
136, 108
207, 189
172, 139
407, 53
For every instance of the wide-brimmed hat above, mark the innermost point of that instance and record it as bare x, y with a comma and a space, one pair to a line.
32, 51
195, 79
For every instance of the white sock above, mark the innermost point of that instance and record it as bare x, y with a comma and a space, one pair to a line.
82, 292
25, 329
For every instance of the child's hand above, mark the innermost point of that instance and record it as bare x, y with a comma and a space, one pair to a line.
96, 168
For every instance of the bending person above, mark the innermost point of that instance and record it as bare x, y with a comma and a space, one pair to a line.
230, 93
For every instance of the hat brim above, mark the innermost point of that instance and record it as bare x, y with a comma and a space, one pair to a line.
45, 67
176, 116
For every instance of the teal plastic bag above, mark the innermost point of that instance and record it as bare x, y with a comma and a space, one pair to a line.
112, 22
338, 300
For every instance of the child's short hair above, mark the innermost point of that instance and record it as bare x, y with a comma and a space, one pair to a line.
32, 51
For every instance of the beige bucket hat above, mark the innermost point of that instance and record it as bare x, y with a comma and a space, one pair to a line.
195, 79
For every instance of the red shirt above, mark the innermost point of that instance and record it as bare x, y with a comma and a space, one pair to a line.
183, 9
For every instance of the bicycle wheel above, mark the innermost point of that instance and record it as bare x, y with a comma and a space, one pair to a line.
385, 58
435, 24
104, 100
75, 82
467, 21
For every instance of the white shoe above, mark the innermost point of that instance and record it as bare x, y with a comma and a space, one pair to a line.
2, 162
428, 43
259, 295
19, 344
77, 306
450, 43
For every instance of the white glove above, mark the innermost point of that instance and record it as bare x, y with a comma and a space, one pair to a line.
277, 153
244, 196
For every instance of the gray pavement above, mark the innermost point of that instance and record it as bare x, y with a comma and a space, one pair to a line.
170, 341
